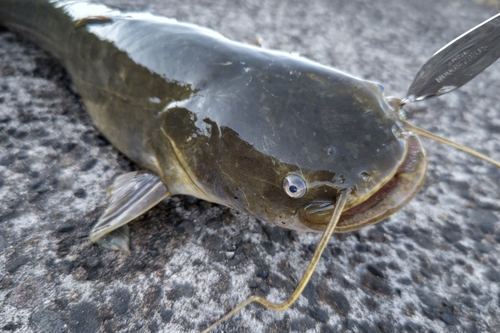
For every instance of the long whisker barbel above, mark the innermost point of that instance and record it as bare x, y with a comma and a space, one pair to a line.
448, 69
323, 242
271, 134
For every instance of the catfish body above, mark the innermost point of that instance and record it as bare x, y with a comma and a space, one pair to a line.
227, 122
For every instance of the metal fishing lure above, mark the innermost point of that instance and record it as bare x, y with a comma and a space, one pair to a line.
277, 136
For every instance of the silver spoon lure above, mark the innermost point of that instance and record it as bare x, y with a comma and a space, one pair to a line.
449, 68
457, 62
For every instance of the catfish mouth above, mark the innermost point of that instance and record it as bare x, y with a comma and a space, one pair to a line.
393, 195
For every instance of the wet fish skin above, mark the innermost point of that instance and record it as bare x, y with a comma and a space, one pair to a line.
220, 120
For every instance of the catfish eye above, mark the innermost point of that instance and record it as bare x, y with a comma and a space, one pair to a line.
294, 186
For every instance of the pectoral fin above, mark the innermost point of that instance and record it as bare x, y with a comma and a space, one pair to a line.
116, 240
131, 195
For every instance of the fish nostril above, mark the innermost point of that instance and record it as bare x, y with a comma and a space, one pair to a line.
380, 87
377, 85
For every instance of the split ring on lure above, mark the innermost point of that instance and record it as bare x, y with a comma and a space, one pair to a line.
277, 136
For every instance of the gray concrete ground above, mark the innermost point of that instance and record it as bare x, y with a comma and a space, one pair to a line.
432, 267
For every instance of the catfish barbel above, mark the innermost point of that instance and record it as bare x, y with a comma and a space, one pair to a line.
282, 138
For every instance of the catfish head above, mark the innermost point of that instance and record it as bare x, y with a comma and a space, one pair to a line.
280, 137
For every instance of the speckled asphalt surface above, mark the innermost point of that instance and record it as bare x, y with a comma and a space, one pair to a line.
432, 267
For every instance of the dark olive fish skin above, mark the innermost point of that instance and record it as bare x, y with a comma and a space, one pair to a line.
220, 120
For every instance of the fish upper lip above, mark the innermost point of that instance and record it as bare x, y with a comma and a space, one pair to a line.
388, 198
394, 194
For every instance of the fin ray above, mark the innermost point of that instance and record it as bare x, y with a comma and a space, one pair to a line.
130, 195
116, 240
